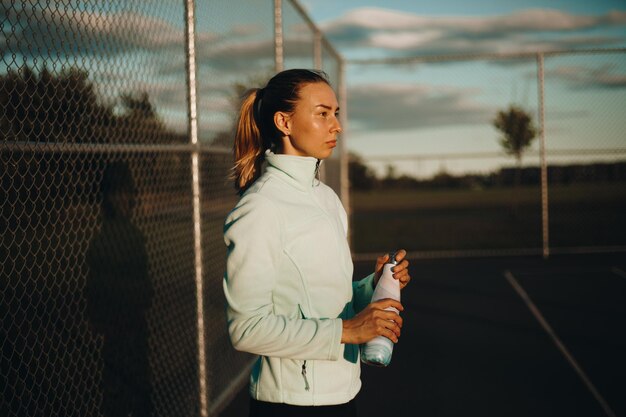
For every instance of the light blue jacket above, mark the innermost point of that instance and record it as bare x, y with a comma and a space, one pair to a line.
288, 285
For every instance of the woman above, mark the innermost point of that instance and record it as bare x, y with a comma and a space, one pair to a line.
288, 281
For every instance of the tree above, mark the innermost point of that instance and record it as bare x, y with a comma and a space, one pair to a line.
237, 92
47, 107
361, 176
518, 132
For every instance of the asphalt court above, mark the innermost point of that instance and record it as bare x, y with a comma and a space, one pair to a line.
472, 345
586, 308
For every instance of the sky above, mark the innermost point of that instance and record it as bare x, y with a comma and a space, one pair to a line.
437, 109
436, 115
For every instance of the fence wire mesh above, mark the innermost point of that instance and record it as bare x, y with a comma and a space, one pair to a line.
298, 39
331, 65
97, 276
586, 150
459, 190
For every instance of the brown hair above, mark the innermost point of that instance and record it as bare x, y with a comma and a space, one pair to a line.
256, 130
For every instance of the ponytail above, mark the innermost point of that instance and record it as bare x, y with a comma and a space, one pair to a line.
256, 130
248, 144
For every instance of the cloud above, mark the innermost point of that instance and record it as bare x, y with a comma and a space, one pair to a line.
81, 32
138, 52
409, 34
588, 77
34, 31
246, 48
131, 51
411, 106
237, 55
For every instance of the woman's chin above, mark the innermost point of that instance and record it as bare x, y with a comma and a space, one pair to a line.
325, 154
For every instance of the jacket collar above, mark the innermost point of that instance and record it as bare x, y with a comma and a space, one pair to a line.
298, 170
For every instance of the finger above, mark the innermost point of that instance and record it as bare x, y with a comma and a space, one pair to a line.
380, 262
388, 302
404, 281
393, 317
401, 275
394, 328
401, 266
397, 330
386, 327
400, 269
400, 254
389, 334
389, 314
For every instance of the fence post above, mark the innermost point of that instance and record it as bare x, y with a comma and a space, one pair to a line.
544, 167
195, 173
278, 36
317, 49
344, 180
317, 64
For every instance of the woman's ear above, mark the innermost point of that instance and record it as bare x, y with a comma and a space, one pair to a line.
282, 121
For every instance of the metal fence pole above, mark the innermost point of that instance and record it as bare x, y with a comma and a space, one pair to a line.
193, 135
317, 64
317, 49
278, 36
344, 180
542, 152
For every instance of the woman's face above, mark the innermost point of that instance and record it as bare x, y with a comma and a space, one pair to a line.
311, 130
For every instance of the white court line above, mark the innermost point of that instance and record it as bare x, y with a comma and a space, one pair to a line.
533, 308
618, 271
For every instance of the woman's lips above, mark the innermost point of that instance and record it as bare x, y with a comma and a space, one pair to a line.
332, 143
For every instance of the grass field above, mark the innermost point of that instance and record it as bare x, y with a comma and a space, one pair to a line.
580, 215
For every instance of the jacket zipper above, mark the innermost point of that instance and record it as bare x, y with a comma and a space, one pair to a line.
306, 381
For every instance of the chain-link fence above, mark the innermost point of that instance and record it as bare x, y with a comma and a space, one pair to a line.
447, 183
113, 195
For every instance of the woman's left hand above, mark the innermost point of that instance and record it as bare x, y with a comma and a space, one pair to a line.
400, 271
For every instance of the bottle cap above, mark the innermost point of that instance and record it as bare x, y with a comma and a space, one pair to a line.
392, 258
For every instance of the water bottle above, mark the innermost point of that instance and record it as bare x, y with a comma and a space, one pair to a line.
378, 351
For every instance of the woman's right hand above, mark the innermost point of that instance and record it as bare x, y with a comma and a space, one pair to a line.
373, 321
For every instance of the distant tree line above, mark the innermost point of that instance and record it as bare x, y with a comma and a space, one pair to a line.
65, 107
363, 177
42, 107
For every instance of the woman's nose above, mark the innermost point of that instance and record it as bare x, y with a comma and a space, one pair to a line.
337, 127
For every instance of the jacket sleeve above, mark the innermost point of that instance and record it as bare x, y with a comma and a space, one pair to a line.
253, 236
